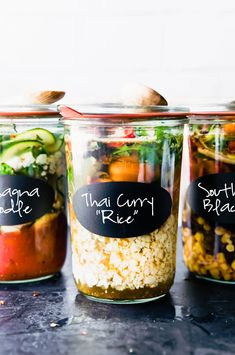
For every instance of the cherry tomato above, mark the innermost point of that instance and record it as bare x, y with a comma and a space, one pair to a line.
115, 144
129, 133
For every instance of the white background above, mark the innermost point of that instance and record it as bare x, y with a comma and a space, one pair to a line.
90, 48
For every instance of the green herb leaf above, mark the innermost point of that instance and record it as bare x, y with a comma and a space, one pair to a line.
6, 169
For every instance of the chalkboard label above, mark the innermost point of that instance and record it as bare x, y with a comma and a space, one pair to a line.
122, 209
23, 199
213, 197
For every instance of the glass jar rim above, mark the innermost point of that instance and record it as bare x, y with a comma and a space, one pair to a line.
212, 115
28, 111
120, 111
212, 111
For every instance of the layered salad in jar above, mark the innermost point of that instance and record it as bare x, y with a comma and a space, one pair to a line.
118, 267
209, 224
32, 202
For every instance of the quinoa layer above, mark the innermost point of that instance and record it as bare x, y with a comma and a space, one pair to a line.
122, 268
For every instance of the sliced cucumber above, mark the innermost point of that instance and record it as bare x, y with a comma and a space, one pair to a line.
39, 134
55, 147
10, 149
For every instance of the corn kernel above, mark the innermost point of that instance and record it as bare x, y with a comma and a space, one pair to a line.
228, 234
207, 227
199, 236
209, 258
219, 230
200, 220
202, 271
195, 268
224, 267
233, 265
197, 248
220, 257
225, 239
201, 259
214, 264
215, 273
230, 248
226, 276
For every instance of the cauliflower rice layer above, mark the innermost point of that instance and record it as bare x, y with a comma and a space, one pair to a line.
121, 268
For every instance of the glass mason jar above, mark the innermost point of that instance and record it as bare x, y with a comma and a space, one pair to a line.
209, 210
123, 178
33, 229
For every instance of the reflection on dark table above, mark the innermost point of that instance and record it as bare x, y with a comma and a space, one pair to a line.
197, 317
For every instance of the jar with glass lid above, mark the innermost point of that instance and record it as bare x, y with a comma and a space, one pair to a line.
33, 227
124, 167
208, 222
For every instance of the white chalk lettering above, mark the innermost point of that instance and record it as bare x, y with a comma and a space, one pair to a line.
135, 203
107, 214
106, 207
218, 192
16, 203
90, 202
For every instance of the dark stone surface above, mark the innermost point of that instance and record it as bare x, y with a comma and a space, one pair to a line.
195, 318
